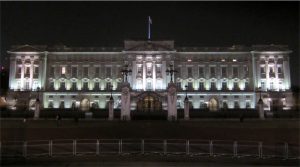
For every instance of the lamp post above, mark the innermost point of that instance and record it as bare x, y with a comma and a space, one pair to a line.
170, 71
186, 105
125, 72
186, 90
111, 90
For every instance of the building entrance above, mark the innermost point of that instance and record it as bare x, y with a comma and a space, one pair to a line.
149, 102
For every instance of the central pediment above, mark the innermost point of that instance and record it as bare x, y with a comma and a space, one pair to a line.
149, 45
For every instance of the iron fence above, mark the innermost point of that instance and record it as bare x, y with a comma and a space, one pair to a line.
82, 147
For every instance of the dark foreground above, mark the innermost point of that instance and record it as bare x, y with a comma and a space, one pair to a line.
268, 131
148, 161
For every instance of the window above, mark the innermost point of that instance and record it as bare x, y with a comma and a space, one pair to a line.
235, 86
201, 72
74, 71
51, 85
74, 87
62, 104
262, 70
224, 72
178, 85
224, 85
271, 70
149, 86
190, 72
96, 86
108, 85
213, 86
62, 86
52, 69
247, 104
246, 71
19, 70
246, 85
225, 106
201, 86
262, 85
85, 71
27, 71
27, 85
235, 71
50, 104
36, 70
97, 71
108, 72
85, 86
203, 105
63, 70
271, 85
236, 104
212, 72
279, 70
190, 86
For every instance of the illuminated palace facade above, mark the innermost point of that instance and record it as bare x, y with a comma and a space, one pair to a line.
213, 78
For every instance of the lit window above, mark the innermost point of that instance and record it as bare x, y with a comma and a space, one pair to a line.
63, 70
234, 60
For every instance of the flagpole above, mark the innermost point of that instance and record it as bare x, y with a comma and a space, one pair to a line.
149, 28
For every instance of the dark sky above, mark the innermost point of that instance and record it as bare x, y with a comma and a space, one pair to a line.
188, 23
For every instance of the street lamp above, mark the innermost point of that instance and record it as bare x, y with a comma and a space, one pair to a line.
111, 97
170, 71
125, 72
186, 89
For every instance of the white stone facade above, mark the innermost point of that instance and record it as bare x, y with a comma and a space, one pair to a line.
215, 78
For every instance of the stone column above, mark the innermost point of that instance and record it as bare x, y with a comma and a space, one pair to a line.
125, 99
111, 108
260, 105
172, 100
37, 109
186, 109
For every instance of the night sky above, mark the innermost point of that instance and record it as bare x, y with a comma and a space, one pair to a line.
188, 23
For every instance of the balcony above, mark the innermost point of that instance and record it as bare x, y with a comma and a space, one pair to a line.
272, 75
18, 75
26, 75
280, 75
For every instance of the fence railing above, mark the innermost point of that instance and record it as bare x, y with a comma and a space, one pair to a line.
81, 147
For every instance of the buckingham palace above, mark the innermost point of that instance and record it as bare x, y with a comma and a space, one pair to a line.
150, 75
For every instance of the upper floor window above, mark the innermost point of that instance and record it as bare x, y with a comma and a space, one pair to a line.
52, 69
201, 85
262, 70
19, 71
74, 71
235, 72
97, 71
190, 72
36, 69
201, 72
271, 70
224, 72
27, 70
212, 71
108, 72
85, 71
63, 70
246, 71
279, 70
